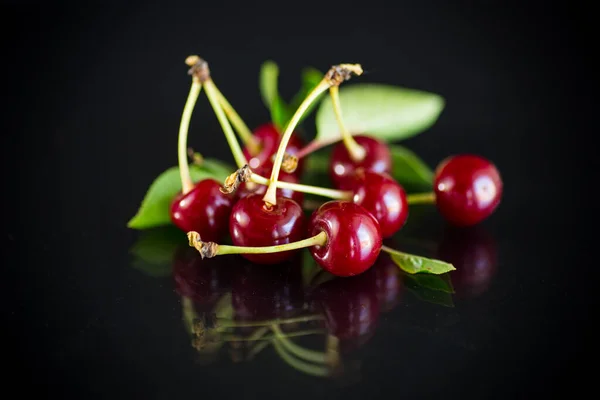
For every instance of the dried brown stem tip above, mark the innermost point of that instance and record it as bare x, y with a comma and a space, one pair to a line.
233, 181
342, 72
206, 249
289, 163
195, 157
198, 68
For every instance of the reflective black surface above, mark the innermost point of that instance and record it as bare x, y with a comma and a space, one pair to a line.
95, 310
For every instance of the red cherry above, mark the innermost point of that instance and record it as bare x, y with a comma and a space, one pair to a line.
202, 280
253, 224
377, 159
468, 188
268, 138
473, 253
262, 292
353, 238
389, 282
351, 308
383, 197
245, 189
203, 209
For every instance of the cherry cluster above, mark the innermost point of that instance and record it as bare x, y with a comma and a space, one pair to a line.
264, 217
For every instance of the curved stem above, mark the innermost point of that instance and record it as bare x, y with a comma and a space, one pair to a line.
307, 332
356, 151
420, 198
240, 126
226, 323
301, 366
270, 194
297, 187
184, 170
299, 351
318, 240
236, 150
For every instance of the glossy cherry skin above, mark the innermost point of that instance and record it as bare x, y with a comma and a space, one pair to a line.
268, 138
202, 280
353, 238
351, 308
468, 188
383, 197
263, 292
473, 253
203, 209
253, 224
388, 281
341, 168
248, 188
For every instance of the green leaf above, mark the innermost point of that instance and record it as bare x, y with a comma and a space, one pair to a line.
387, 112
269, 73
408, 169
154, 250
429, 291
440, 283
311, 77
413, 264
154, 210
269, 90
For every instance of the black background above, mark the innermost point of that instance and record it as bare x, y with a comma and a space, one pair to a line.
92, 101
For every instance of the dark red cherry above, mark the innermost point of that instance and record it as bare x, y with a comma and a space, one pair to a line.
351, 308
383, 197
473, 253
202, 280
389, 282
203, 209
341, 168
262, 292
253, 224
468, 188
268, 138
353, 238
248, 188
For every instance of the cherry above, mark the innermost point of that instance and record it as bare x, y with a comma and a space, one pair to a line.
253, 224
389, 282
268, 138
473, 252
245, 189
262, 292
203, 209
383, 197
468, 188
203, 281
377, 159
353, 238
351, 308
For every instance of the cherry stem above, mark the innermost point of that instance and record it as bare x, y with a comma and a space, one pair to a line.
228, 323
298, 187
356, 151
184, 170
240, 126
299, 351
334, 77
211, 249
301, 366
421, 198
236, 150
258, 338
